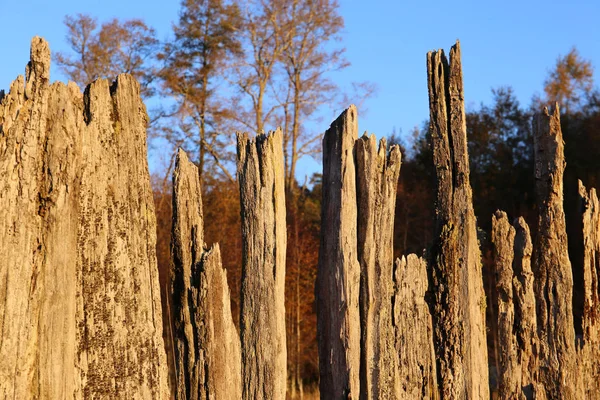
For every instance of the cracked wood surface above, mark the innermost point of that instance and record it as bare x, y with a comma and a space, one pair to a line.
416, 367
377, 179
458, 301
589, 349
80, 315
207, 345
262, 312
553, 282
338, 274
517, 327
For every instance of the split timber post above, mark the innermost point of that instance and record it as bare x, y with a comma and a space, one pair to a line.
553, 282
377, 180
458, 299
517, 326
262, 315
207, 345
589, 350
416, 370
338, 275
80, 313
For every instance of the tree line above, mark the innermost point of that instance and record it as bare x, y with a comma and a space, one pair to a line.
263, 63
227, 66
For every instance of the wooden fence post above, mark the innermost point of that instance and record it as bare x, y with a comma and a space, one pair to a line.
338, 275
81, 314
377, 179
207, 345
262, 319
552, 268
589, 350
503, 239
458, 301
416, 371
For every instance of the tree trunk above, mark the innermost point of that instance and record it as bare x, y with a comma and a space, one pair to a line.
338, 274
207, 346
80, 294
416, 370
262, 322
377, 179
458, 303
589, 351
553, 275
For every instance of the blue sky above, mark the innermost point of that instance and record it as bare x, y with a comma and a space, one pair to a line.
503, 43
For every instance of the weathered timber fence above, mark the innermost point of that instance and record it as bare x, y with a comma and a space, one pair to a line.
80, 313
540, 357
79, 300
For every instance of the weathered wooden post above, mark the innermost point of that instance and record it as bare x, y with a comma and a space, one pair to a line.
338, 275
525, 313
207, 345
416, 371
40, 159
517, 333
262, 319
503, 239
552, 268
377, 179
589, 350
80, 313
458, 301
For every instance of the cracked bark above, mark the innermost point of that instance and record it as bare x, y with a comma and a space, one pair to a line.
80, 313
377, 179
458, 301
338, 275
262, 315
207, 345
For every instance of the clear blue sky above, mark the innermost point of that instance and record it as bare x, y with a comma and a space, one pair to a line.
503, 43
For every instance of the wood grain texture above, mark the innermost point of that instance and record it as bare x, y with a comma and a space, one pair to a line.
458, 301
81, 315
377, 179
589, 349
416, 367
338, 276
207, 345
264, 240
553, 283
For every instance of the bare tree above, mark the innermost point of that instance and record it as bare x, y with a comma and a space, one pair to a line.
254, 75
106, 51
310, 28
205, 41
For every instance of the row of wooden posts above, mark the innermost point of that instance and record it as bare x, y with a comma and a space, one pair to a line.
80, 313
413, 328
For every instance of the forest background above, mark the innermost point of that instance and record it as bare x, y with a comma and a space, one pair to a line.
209, 68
